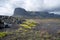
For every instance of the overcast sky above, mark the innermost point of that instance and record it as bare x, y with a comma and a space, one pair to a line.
7, 6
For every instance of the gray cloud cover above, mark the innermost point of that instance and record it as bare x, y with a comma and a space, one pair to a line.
7, 6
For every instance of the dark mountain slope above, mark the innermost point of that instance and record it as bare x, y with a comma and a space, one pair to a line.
20, 12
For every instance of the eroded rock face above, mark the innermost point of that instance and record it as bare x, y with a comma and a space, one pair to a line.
20, 12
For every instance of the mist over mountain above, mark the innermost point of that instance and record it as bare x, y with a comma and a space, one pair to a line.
20, 12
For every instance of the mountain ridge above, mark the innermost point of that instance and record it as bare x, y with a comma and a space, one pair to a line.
34, 14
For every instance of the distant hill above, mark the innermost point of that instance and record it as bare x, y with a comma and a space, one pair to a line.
20, 12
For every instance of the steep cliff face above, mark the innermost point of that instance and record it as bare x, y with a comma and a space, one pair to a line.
20, 12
